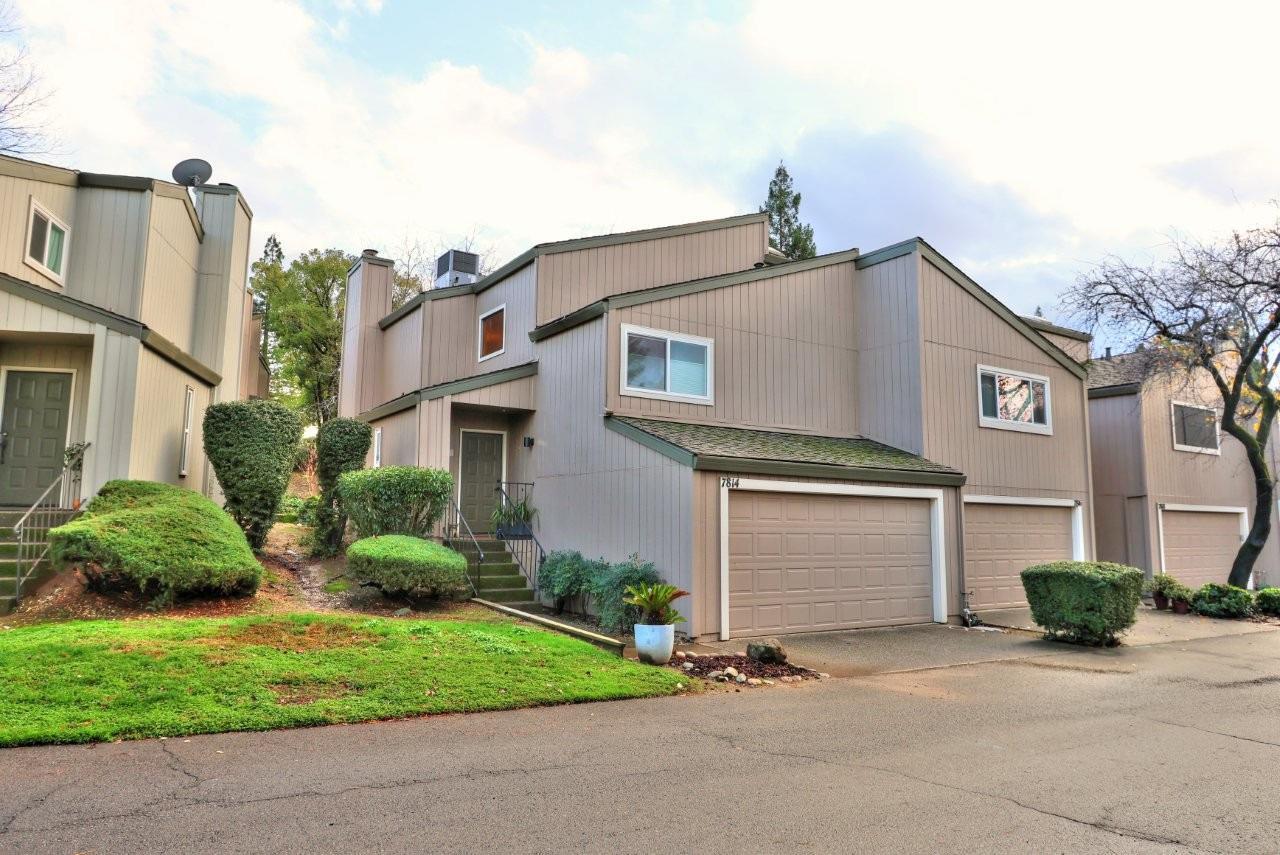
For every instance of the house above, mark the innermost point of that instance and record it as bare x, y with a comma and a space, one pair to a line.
845, 441
1172, 492
124, 313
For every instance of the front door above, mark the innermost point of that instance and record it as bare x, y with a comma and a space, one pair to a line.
481, 472
33, 428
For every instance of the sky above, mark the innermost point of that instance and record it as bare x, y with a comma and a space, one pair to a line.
1024, 142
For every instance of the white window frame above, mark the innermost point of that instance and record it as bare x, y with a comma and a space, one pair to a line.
480, 333
985, 421
188, 417
709, 343
377, 448
39, 263
1194, 449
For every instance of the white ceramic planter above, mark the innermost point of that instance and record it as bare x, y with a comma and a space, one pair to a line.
654, 642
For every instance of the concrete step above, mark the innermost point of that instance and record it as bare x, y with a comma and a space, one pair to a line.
495, 569
507, 595
6, 605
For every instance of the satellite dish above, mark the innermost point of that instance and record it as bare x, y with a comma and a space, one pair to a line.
192, 172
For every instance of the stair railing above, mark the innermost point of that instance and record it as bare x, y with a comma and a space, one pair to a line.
32, 528
524, 546
453, 530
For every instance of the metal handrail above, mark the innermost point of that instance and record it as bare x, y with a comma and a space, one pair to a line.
39, 518
459, 518
527, 551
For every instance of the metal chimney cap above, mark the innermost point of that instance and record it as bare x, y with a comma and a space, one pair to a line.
370, 253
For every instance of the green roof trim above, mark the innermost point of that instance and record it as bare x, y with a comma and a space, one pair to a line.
982, 295
157, 343
452, 387
682, 289
390, 408
1042, 325
424, 297
733, 449
1115, 391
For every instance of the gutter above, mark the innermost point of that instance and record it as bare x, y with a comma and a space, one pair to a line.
1115, 391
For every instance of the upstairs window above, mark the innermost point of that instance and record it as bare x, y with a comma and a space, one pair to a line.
46, 242
1011, 400
1195, 428
666, 365
493, 332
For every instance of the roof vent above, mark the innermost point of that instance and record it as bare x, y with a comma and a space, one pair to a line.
456, 267
1108, 356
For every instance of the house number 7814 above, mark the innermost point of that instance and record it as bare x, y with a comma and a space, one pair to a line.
731, 483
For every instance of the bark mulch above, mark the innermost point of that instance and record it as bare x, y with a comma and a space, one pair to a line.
704, 665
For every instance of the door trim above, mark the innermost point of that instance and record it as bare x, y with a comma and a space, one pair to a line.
461, 431
1077, 514
71, 395
1161, 507
937, 529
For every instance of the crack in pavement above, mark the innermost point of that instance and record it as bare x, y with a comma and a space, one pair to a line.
32, 805
1213, 732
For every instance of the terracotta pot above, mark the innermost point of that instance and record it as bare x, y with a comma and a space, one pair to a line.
1162, 602
1181, 607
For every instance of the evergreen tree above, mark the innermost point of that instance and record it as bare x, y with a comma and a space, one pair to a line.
792, 237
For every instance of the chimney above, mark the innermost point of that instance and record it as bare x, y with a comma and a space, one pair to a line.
368, 301
1108, 356
456, 267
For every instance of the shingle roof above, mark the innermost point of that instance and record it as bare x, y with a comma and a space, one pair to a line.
717, 444
1121, 369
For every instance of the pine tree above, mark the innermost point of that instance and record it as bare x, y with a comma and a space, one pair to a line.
792, 237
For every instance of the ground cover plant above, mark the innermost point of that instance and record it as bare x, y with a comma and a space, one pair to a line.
1267, 602
86, 681
1214, 599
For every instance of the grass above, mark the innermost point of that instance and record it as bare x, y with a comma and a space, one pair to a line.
89, 681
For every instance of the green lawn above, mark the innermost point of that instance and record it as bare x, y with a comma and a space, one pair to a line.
87, 681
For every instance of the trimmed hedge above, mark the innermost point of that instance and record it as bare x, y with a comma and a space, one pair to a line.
1215, 599
160, 540
1267, 601
341, 446
1088, 602
609, 585
404, 566
565, 575
252, 446
395, 499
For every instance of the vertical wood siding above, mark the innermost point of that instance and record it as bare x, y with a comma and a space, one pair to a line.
171, 286
784, 352
450, 350
109, 417
1115, 428
514, 395
570, 280
888, 383
15, 207
1073, 347
399, 439
518, 292
109, 248
156, 441
401, 368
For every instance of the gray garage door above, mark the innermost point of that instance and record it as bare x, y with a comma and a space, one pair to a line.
802, 562
1000, 541
1199, 547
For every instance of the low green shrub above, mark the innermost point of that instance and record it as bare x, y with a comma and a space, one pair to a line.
252, 446
1180, 593
1162, 583
1215, 599
341, 446
395, 499
160, 540
404, 566
1088, 602
1267, 601
564, 575
609, 584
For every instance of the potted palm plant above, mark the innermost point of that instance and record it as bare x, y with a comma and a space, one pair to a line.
656, 629
513, 520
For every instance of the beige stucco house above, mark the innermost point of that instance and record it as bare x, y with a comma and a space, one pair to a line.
124, 313
857, 439
1172, 492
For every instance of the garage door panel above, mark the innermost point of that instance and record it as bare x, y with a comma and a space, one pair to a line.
1000, 541
1200, 546
846, 561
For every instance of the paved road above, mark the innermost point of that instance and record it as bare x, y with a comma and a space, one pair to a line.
1171, 747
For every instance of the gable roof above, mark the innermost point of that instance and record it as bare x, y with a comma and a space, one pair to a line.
1120, 374
722, 448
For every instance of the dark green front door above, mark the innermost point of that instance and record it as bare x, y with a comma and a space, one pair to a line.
37, 405
481, 472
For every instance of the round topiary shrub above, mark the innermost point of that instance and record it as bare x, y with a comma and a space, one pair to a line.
341, 446
395, 499
252, 446
404, 566
1267, 601
160, 540
1088, 602
1215, 599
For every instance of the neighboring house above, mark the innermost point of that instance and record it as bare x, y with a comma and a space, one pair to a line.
845, 441
124, 313
1172, 492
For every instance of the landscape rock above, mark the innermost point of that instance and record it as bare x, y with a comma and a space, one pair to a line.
754, 681
688, 666
715, 675
402, 612
769, 651
731, 671
741, 678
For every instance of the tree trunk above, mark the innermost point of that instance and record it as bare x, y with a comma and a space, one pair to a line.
1242, 567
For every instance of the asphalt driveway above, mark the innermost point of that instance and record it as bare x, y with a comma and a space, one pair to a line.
1165, 747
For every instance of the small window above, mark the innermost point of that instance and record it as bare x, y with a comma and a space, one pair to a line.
666, 365
1013, 401
493, 332
1195, 428
377, 447
46, 242
188, 416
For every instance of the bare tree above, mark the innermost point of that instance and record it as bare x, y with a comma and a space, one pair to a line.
415, 264
1212, 310
22, 130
